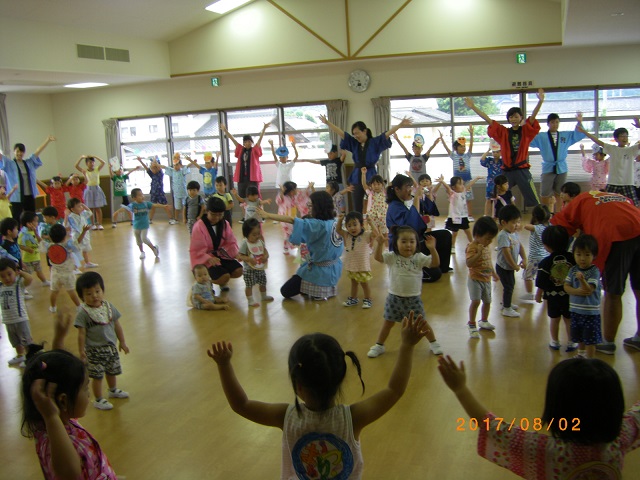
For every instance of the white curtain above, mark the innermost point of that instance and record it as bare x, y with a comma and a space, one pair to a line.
382, 117
337, 114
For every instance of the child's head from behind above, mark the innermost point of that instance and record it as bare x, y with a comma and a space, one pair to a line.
457, 184
317, 367
221, 184
500, 185
424, 180
333, 153
484, 230
555, 239
251, 230
74, 204
509, 217
8, 271
90, 288
201, 274
585, 249
540, 215
137, 195
377, 183
515, 116
9, 228
290, 189
569, 191
332, 187
354, 223
404, 241
29, 220
58, 233
50, 215
253, 194
588, 390
193, 188
71, 394
322, 207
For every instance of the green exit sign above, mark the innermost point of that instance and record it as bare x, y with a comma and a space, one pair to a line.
215, 81
521, 57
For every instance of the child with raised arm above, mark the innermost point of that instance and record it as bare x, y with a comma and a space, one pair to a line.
209, 173
14, 310
222, 194
60, 255
597, 166
417, 160
492, 161
514, 146
119, 180
502, 195
333, 189
405, 262
56, 193
552, 272
202, 297
284, 167
426, 193
78, 217
481, 272
583, 286
100, 336
377, 200
29, 241
251, 202
458, 218
178, 185
584, 411
357, 258
76, 187
286, 201
5, 204
142, 211
320, 427
509, 247
93, 195
157, 183
540, 217
50, 215
255, 256
621, 162
461, 158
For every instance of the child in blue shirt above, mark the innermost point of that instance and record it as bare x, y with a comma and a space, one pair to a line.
209, 173
583, 286
509, 247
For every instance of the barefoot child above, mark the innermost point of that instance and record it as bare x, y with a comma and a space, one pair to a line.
202, 296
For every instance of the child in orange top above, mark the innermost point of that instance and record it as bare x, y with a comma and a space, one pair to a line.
76, 187
56, 193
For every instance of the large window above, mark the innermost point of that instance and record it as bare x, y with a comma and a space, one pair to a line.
603, 111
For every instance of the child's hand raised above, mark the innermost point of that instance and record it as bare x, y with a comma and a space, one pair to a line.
234, 191
221, 352
86, 228
363, 169
430, 242
453, 375
43, 396
413, 329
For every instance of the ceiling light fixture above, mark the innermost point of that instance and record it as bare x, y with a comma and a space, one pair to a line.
86, 85
224, 6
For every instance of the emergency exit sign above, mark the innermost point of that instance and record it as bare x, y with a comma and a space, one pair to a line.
215, 81
521, 57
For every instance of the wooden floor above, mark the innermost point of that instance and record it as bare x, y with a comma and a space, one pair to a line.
177, 424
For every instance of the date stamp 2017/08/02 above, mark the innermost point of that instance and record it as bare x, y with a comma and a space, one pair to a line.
524, 423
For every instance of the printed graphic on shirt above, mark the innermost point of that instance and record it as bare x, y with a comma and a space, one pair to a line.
322, 456
559, 270
336, 238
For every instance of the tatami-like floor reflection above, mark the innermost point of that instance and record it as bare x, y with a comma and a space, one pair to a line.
177, 423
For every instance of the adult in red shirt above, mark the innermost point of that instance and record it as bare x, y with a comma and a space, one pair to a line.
615, 223
248, 165
514, 145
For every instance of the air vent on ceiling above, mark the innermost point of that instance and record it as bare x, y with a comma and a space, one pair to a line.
103, 53
117, 54
90, 51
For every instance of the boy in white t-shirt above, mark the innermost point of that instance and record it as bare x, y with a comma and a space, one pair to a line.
283, 166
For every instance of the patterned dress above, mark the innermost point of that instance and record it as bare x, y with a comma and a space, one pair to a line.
286, 206
157, 187
494, 168
377, 210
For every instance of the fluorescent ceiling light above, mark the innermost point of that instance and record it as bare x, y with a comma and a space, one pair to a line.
85, 85
223, 6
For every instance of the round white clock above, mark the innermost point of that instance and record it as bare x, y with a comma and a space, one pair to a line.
359, 81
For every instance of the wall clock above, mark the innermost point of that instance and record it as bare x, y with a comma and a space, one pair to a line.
359, 81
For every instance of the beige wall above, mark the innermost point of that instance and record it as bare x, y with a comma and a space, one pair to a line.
76, 117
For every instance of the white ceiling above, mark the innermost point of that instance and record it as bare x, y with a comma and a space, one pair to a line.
589, 22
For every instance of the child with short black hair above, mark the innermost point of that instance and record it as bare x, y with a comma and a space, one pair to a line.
76, 187
461, 158
417, 160
9, 231
481, 272
552, 272
14, 311
458, 218
255, 256
357, 258
509, 247
376, 200
50, 215
251, 203
119, 180
492, 161
193, 205
62, 264
222, 194
94, 195
502, 195
540, 216
78, 217
569, 191
427, 195
156, 195
583, 286
202, 297
287, 206
100, 336
333, 189
29, 241
56, 191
